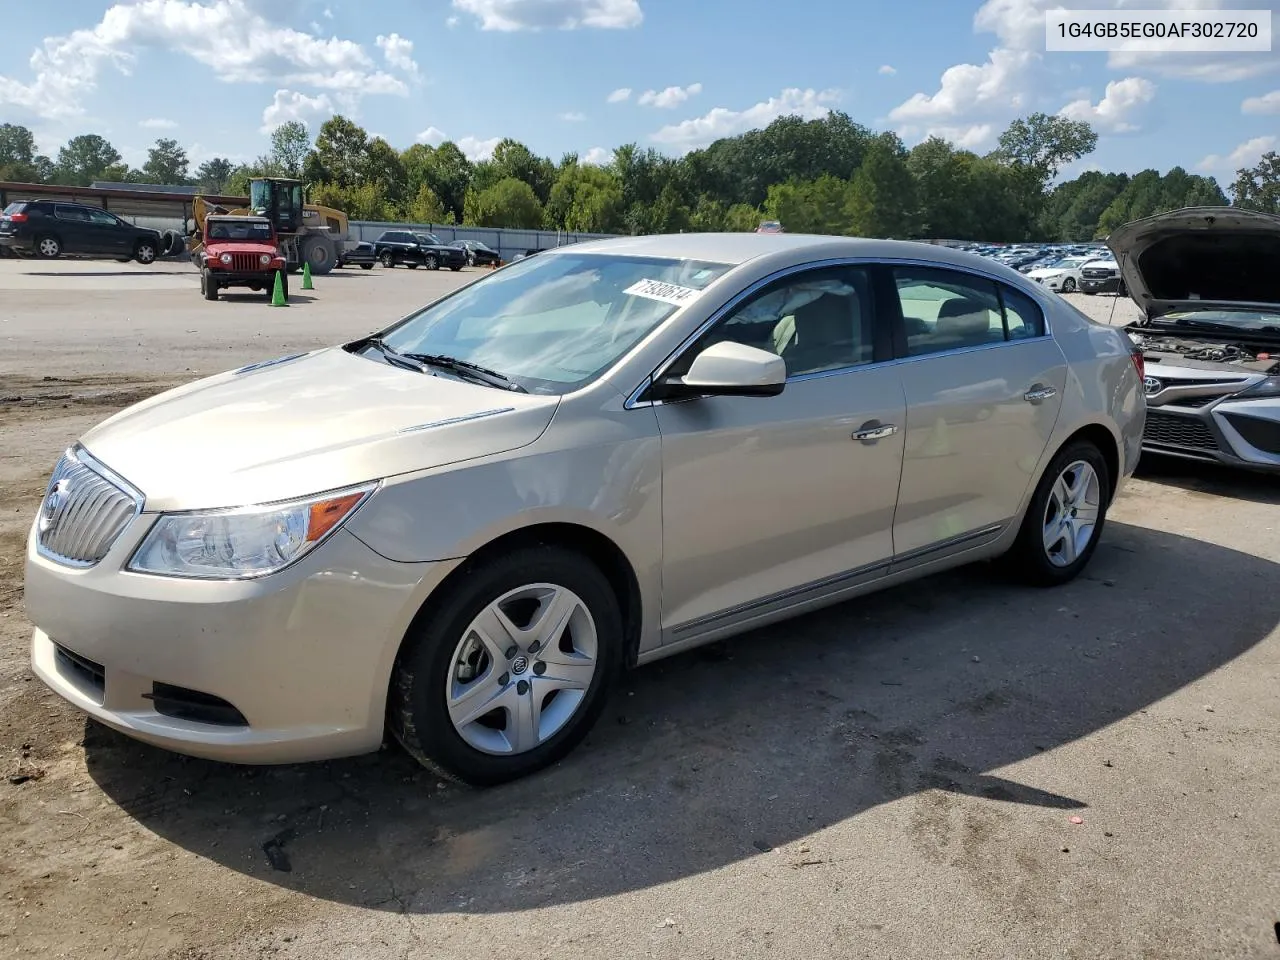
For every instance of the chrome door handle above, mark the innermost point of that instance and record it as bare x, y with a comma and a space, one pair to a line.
1036, 394
879, 431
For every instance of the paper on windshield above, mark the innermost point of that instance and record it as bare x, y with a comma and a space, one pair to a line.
666, 292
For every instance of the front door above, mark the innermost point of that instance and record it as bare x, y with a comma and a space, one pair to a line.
772, 501
983, 385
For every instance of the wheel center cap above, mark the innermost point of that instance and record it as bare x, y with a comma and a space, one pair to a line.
519, 665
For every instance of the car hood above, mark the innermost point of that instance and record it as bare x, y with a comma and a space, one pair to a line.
1199, 257
1046, 271
305, 424
239, 246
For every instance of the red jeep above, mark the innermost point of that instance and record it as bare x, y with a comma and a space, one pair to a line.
240, 252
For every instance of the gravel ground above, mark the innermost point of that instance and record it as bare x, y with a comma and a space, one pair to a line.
893, 777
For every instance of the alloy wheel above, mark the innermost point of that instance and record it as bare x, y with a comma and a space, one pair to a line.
49, 247
522, 669
1071, 513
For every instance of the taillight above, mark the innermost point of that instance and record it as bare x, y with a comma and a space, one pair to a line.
17, 218
1139, 361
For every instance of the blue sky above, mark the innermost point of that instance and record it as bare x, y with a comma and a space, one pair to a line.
216, 74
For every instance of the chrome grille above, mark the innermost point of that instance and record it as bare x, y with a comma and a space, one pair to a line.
1178, 431
83, 513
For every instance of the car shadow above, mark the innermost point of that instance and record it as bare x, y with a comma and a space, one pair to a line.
231, 296
707, 759
1218, 480
102, 273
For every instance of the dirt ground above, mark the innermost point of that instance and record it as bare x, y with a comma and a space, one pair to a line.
893, 777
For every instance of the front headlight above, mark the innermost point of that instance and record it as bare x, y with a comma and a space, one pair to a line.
1269, 387
225, 258
264, 259
243, 543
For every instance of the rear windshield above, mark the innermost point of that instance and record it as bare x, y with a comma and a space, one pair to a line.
16, 207
230, 230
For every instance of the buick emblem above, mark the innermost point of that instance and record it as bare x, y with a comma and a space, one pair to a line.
1152, 385
52, 501
519, 665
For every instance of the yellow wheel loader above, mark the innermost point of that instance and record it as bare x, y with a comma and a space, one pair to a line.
307, 233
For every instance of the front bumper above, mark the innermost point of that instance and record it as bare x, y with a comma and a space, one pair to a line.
1243, 434
296, 665
1110, 285
242, 278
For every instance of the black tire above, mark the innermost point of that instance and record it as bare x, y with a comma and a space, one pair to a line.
411, 265
431, 262
320, 253
1090, 293
1028, 559
208, 284
387, 259
1069, 285
145, 252
417, 712
366, 266
48, 247
455, 269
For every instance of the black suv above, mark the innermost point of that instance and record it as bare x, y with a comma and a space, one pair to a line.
417, 250
50, 228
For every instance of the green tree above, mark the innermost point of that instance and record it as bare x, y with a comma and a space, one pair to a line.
428, 208
290, 144
585, 198
339, 154
1045, 143
881, 198
1258, 187
511, 158
167, 163
943, 189
87, 158
214, 175
742, 218
1073, 208
817, 206
448, 171
19, 159
508, 203
381, 165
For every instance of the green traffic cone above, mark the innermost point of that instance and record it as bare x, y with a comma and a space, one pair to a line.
306, 275
277, 295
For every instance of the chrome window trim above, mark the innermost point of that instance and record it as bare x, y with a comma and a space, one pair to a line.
77, 452
633, 401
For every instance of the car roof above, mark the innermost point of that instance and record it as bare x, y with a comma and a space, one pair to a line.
738, 248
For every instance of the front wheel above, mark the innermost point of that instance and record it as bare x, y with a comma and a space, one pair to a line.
510, 672
455, 269
1064, 519
1069, 285
145, 253
430, 262
366, 266
208, 284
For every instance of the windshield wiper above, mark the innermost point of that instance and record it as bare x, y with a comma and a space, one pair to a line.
467, 368
394, 358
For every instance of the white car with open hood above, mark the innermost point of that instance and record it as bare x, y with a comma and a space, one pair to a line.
1207, 281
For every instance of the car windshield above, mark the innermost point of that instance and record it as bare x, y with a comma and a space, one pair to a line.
554, 323
254, 230
1231, 319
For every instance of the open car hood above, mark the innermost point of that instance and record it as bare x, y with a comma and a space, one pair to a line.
1198, 258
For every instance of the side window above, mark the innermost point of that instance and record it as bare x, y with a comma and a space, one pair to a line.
1023, 316
77, 214
102, 217
815, 321
947, 310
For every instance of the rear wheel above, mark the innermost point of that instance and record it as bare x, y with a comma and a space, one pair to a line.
511, 671
1064, 519
208, 284
320, 253
48, 248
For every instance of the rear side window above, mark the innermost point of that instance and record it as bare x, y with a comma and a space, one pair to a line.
947, 310
1023, 316
16, 207
71, 213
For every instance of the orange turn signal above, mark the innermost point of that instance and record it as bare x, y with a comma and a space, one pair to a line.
327, 514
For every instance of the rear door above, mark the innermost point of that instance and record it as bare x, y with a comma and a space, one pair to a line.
983, 382
74, 228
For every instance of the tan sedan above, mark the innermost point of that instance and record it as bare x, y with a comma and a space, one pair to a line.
461, 530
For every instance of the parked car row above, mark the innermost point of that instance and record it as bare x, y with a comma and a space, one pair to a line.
412, 249
1065, 268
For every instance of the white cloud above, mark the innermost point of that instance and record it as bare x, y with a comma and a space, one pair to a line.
476, 149
1267, 103
157, 123
432, 135
230, 37
887, 70
573, 116
511, 15
1114, 113
398, 52
290, 105
328, 14
670, 97
722, 122
619, 95
597, 156
967, 88
1247, 154
1205, 67
451, 22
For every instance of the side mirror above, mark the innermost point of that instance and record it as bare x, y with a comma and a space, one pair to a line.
727, 369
